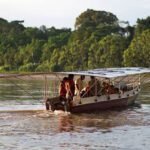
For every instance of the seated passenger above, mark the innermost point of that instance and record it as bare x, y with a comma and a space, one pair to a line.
94, 86
109, 88
105, 86
112, 89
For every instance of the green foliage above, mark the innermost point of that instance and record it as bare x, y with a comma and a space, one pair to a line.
138, 53
5, 68
28, 67
45, 66
107, 52
94, 18
54, 66
112, 48
97, 41
57, 39
96, 24
143, 24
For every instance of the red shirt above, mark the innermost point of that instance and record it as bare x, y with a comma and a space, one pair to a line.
62, 90
70, 87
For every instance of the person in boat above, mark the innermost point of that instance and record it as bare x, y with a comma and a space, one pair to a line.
57, 102
66, 93
105, 87
108, 88
94, 87
70, 87
79, 85
62, 89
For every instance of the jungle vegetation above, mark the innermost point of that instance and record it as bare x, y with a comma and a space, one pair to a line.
99, 40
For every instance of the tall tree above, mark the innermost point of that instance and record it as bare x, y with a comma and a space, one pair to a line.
94, 18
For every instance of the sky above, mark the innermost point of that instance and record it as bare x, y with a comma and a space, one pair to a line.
63, 13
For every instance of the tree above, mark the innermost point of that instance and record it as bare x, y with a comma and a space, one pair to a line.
94, 18
108, 52
99, 40
96, 24
142, 24
56, 40
138, 53
30, 54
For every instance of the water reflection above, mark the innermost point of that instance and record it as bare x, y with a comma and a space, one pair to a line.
15, 89
103, 121
65, 123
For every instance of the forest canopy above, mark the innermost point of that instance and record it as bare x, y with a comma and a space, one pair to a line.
99, 40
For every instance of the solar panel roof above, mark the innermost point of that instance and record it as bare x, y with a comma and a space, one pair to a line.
111, 72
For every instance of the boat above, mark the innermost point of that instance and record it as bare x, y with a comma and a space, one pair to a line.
124, 87
126, 84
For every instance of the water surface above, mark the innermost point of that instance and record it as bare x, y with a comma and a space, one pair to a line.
24, 124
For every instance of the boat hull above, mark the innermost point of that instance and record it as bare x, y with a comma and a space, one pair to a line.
95, 103
103, 105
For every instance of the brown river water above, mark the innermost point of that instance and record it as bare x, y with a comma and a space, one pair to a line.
25, 124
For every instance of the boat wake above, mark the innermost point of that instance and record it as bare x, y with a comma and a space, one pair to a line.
61, 112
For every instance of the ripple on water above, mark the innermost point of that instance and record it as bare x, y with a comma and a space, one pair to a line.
104, 130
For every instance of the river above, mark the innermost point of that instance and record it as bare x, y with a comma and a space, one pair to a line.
24, 123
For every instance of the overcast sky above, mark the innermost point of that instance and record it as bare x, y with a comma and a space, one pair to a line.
62, 13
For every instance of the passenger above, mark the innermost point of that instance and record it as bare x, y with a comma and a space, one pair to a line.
94, 86
79, 85
86, 91
105, 86
56, 102
109, 88
70, 87
62, 89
